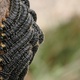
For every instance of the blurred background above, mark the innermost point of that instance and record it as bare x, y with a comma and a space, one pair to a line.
58, 58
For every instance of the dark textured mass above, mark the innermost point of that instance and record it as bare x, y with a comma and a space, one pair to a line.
20, 37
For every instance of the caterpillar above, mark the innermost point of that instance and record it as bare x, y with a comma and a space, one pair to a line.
20, 38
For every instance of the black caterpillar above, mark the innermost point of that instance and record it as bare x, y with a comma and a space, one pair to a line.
20, 37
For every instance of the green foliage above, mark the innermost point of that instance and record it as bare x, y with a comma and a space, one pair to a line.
58, 50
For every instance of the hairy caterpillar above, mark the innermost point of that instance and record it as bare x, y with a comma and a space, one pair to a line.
20, 37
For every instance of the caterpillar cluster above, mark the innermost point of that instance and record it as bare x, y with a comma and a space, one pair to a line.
20, 37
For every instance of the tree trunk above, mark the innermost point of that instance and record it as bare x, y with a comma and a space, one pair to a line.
4, 9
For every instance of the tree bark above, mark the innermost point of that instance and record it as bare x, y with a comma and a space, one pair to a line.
4, 9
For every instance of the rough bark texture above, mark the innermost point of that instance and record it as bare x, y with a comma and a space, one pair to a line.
4, 9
